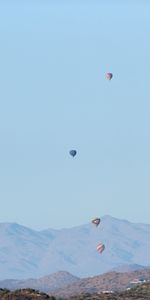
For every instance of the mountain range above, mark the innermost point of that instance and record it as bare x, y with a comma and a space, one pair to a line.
27, 253
111, 281
64, 285
138, 292
47, 283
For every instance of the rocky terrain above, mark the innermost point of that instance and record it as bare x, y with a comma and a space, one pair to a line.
139, 292
24, 294
65, 284
114, 281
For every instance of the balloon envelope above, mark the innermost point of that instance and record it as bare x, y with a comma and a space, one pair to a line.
100, 247
96, 221
73, 152
109, 76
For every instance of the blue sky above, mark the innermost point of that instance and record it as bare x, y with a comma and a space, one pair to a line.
54, 97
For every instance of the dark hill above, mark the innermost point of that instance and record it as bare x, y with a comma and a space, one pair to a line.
24, 294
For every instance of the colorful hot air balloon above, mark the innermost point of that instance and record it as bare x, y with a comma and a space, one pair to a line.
96, 221
100, 247
73, 152
109, 76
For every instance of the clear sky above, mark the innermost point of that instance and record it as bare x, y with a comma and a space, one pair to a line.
54, 96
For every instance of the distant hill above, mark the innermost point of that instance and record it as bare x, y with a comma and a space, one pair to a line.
45, 284
26, 253
65, 284
130, 268
111, 281
139, 292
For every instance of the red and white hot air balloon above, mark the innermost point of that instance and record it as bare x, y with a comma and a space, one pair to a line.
100, 247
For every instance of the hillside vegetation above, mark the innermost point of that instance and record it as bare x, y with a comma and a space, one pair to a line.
113, 281
140, 292
23, 294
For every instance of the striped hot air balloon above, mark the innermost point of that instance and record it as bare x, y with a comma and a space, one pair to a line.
100, 247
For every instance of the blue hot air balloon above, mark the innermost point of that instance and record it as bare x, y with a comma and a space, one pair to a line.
73, 152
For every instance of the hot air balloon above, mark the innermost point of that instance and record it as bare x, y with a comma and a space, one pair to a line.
73, 152
109, 76
96, 221
100, 247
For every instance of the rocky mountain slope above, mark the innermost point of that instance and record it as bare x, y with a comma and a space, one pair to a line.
111, 281
45, 284
139, 292
63, 284
26, 253
24, 294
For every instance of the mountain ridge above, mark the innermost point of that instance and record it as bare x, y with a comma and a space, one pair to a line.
110, 281
47, 283
64, 284
28, 253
